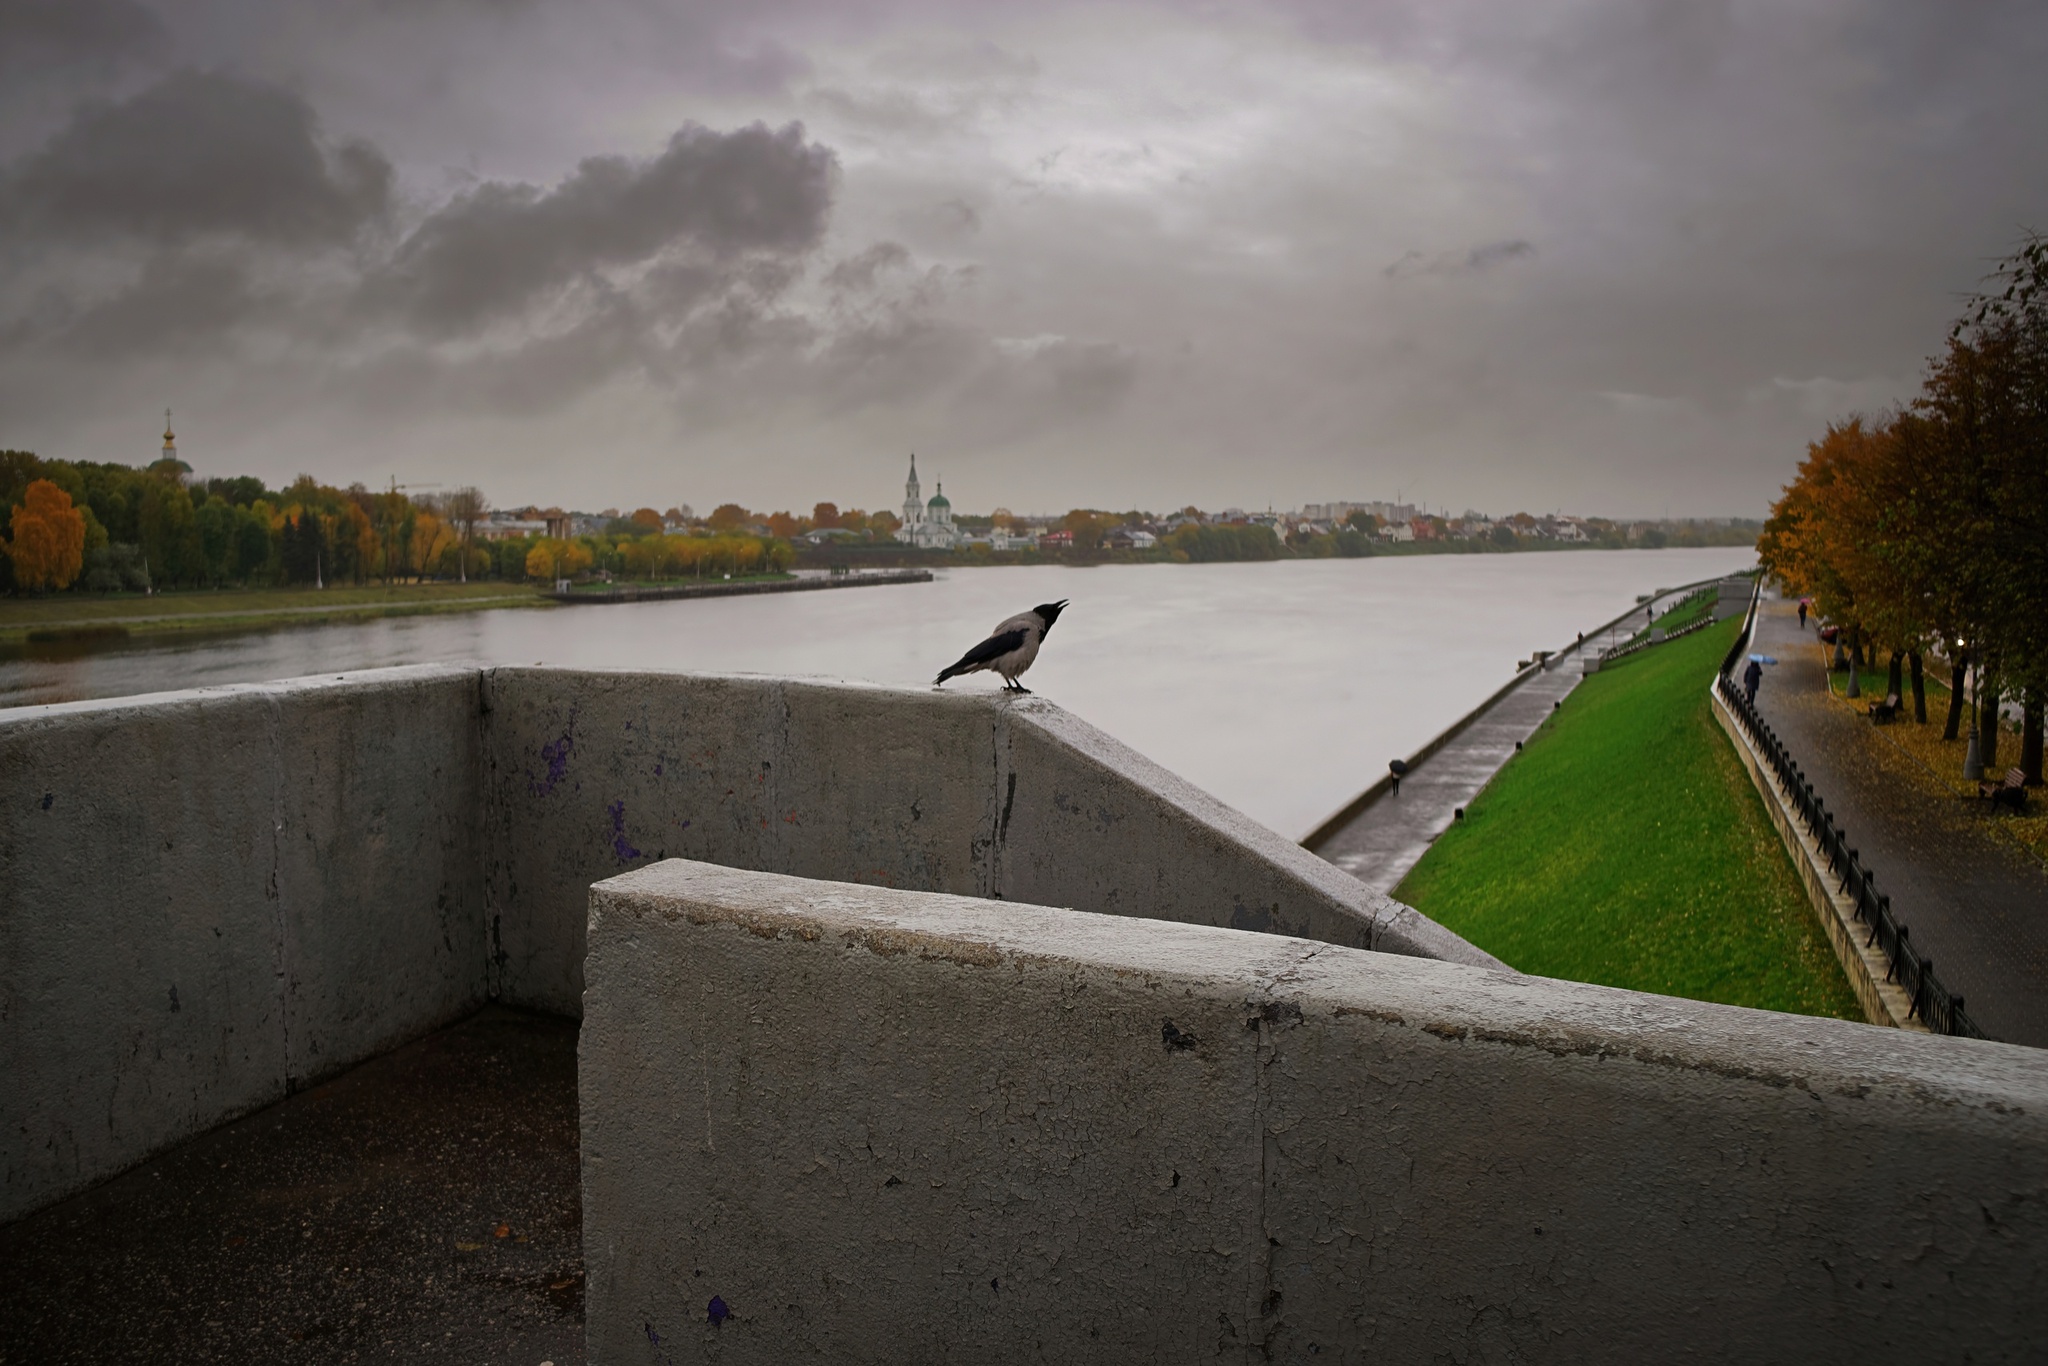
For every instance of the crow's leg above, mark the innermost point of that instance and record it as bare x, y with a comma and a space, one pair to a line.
1023, 691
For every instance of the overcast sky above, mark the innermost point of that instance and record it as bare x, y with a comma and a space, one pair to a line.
1619, 257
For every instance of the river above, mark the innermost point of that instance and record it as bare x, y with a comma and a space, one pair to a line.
1283, 688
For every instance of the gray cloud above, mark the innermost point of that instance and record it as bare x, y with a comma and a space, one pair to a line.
500, 247
1477, 261
178, 299
857, 273
1132, 253
50, 38
196, 154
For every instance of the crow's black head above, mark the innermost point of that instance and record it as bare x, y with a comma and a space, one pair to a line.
1049, 612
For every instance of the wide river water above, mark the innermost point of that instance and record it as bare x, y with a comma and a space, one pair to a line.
1283, 688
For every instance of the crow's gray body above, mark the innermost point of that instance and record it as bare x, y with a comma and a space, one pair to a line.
1009, 649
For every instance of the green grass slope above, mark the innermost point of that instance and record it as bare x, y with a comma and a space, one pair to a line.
1626, 846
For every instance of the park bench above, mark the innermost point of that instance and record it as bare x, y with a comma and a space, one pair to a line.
1885, 712
2011, 792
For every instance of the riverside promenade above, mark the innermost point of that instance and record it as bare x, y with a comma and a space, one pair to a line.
1975, 904
1387, 830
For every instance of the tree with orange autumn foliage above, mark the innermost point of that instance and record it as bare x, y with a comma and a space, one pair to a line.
48, 546
1931, 525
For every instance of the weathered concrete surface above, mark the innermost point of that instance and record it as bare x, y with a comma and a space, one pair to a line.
883, 1126
1005, 798
210, 898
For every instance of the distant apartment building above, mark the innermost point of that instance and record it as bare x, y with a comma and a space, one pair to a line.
522, 523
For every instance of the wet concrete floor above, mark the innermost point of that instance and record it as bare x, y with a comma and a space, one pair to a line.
423, 1207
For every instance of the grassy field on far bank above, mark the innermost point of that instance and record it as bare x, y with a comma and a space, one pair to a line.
1626, 846
78, 615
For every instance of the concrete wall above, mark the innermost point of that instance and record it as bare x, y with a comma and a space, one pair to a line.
208, 899
883, 1126
321, 869
974, 794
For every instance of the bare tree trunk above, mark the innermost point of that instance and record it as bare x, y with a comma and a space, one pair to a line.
1958, 670
2030, 736
1987, 726
1919, 690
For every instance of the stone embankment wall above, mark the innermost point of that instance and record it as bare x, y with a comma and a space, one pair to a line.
208, 899
885, 1126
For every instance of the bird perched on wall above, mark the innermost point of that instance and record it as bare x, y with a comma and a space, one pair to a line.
1010, 648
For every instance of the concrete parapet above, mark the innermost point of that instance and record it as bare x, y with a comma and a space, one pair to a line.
208, 899
979, 795
825, 1121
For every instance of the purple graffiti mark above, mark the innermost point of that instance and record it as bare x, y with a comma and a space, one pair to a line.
719, 1313
555, 754
620, 845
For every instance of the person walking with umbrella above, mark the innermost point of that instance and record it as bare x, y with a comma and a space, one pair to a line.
1752, 676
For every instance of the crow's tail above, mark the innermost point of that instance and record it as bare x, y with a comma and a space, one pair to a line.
952, 672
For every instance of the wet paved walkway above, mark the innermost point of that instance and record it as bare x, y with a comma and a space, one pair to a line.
1975, 904
1389, 836
423, 1207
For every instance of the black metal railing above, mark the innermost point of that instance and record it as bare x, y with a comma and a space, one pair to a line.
1940, 1009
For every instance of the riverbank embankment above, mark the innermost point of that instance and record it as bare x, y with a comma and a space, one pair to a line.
1381, 833
67, 618
1625, 845
682, 591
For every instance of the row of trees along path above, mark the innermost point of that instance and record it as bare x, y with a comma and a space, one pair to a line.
1924, 532
1926, 528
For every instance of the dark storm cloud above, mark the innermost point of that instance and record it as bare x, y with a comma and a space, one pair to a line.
1603, 252
500, 247
1477, 261
51, 37
196, 154
178, 300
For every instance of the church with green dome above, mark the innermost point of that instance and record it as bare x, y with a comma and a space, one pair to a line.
926, 525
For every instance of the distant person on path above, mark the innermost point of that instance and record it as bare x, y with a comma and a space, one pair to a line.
1802, 614
1751, 676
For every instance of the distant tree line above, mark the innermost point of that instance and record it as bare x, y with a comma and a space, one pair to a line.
1926, 528
102, 528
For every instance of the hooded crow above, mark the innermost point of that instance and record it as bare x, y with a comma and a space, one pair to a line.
1010, 648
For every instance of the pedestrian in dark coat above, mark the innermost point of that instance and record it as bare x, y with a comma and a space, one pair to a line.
1751, 676
1802, 614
